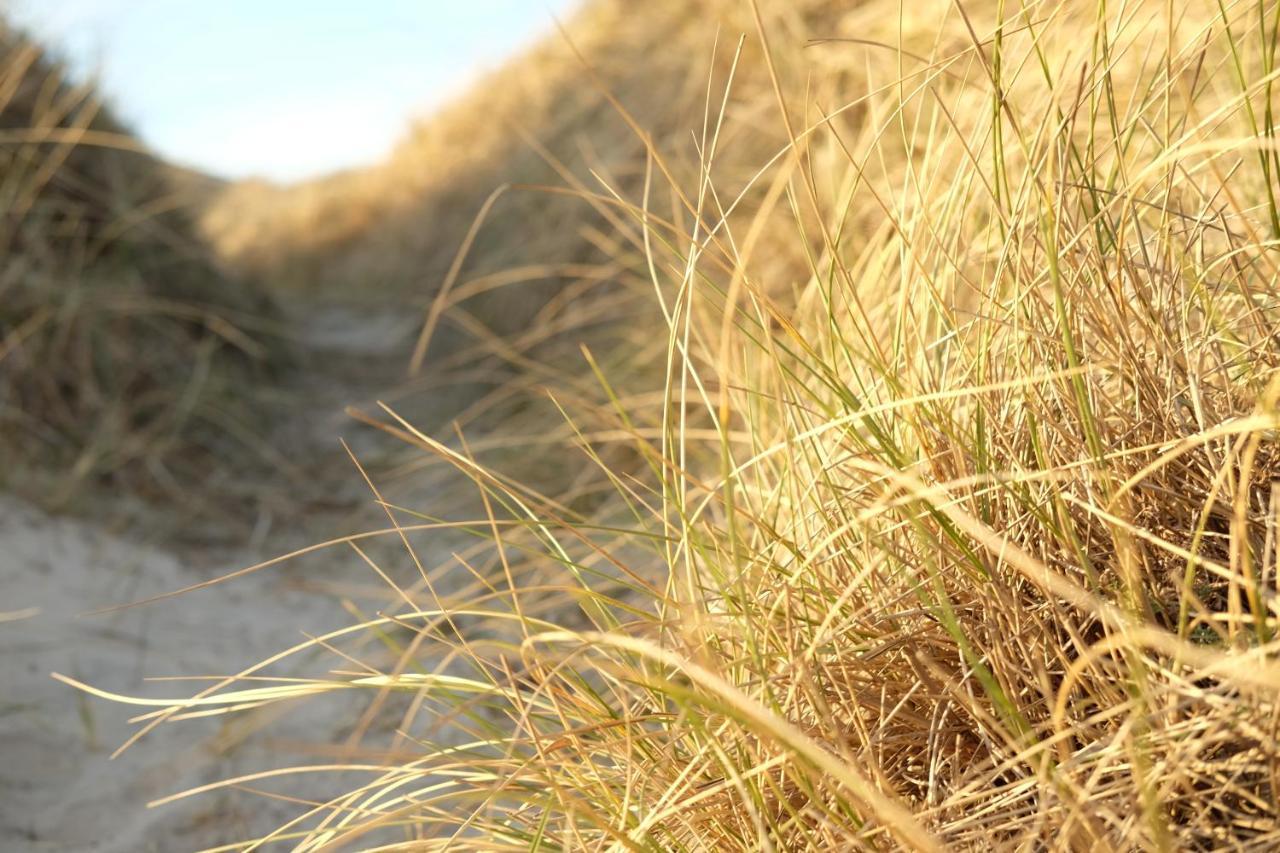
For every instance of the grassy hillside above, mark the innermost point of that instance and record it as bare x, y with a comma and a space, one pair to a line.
955, 520
502, 219
544, 124
122, 341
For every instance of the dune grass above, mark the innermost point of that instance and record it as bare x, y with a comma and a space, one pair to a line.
122, 341
954, 523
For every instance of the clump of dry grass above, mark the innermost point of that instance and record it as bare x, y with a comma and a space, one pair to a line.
956, 523
120, 337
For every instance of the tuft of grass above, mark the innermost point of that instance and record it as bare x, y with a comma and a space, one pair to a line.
953, 518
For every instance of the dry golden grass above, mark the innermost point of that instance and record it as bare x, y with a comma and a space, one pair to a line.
955, 519
120, 337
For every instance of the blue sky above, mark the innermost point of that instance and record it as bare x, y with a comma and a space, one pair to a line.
284, 89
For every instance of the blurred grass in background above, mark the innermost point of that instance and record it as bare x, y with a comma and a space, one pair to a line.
125, 347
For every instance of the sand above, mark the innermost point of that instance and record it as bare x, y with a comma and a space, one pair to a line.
58, 786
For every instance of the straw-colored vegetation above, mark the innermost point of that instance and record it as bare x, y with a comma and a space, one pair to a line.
121, 340
950, 518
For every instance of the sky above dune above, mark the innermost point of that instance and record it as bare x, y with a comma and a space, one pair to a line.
282, 89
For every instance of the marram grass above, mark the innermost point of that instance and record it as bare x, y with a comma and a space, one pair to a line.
955, 524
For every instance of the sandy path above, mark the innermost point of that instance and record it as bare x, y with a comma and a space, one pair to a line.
58, 790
